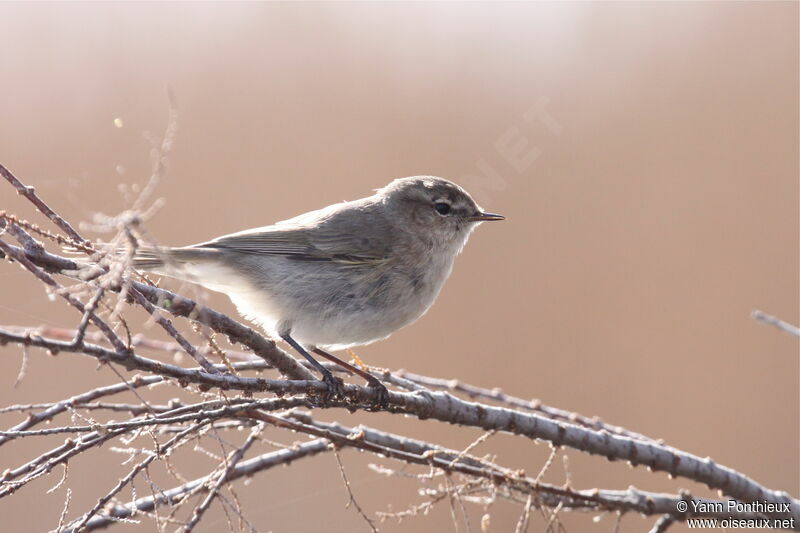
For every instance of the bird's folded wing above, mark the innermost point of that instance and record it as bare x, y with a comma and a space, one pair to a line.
328, 242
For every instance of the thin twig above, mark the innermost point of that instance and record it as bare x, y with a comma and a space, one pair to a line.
138, 468
242, 469
230, 464
777, 322
185, 307
59, 407
352, 499
23, 367
662, 524
13, 252
30, 193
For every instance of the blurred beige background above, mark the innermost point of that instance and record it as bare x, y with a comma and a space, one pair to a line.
646, 156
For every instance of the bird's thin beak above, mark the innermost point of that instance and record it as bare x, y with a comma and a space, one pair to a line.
486, 216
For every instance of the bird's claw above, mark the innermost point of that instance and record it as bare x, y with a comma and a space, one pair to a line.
381, 398
335, 387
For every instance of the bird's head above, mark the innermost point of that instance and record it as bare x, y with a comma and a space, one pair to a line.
435, 209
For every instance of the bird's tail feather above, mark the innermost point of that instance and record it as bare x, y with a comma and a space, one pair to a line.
170, 261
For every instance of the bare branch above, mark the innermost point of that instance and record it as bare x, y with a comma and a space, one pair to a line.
60, 407
447, 408
185, 307
217, 400
170, 329
228, 467
777, 322
242, 469
138, 468
14, 253
419, 452
500, 397
29, 192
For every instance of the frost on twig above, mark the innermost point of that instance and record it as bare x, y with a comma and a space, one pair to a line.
234, 394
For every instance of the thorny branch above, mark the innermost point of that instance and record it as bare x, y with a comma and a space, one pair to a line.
218, 399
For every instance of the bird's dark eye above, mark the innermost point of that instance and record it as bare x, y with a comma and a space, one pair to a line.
442, 208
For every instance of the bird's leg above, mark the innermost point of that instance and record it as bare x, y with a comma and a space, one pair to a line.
335, 387
372, 381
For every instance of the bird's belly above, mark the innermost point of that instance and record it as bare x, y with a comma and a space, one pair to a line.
339, 306
339, 317
328, 326
346, 328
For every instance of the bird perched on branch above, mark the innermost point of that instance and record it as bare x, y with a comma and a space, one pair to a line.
346, 275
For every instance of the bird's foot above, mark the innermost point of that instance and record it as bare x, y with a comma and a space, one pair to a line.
335, 387
381, 398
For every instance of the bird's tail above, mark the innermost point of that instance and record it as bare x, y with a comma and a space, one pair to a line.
150, 259
171, 261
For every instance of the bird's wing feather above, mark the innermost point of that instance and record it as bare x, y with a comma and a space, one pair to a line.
326, 235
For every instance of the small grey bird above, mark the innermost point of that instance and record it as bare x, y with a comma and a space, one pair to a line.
346, 275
